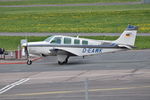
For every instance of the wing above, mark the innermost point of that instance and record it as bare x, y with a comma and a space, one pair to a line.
61, 51
77, 50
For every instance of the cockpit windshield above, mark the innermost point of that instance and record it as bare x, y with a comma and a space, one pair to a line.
54, 40
48, 39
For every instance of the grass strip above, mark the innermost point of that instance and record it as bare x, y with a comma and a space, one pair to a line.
88, 19
36, 2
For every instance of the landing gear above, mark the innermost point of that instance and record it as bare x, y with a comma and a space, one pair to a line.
29, 62
63, 62
60, 63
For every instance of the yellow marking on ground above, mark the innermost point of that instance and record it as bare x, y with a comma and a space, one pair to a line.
75, 91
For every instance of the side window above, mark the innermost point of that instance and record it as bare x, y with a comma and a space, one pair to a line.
76, 41
84, 42
56, 40
67, 40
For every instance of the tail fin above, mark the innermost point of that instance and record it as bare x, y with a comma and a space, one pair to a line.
128, 36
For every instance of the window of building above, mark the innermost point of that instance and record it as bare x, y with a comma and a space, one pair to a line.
67, 40
76, 41
84, 42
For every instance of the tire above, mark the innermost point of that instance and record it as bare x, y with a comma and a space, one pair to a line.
29, 62
60, 63
66, 61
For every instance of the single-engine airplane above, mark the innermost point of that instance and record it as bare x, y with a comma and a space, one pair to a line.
65, 46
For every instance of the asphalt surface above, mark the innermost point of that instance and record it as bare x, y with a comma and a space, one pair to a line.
83, 4
68, 34
112, 76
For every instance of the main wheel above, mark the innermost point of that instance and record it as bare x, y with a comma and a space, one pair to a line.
29, 62
60, 63
66, 61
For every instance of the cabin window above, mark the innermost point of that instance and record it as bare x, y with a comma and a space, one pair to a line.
84, 42
67, 40
56, 40
76, 41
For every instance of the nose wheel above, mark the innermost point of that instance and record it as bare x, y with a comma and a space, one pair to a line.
29, 62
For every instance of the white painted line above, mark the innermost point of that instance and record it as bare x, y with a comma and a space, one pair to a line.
21, 81
6, 89
10, 86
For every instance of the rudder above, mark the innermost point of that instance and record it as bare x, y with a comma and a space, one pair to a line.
128, 36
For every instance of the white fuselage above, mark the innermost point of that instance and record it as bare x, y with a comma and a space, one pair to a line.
43, 48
